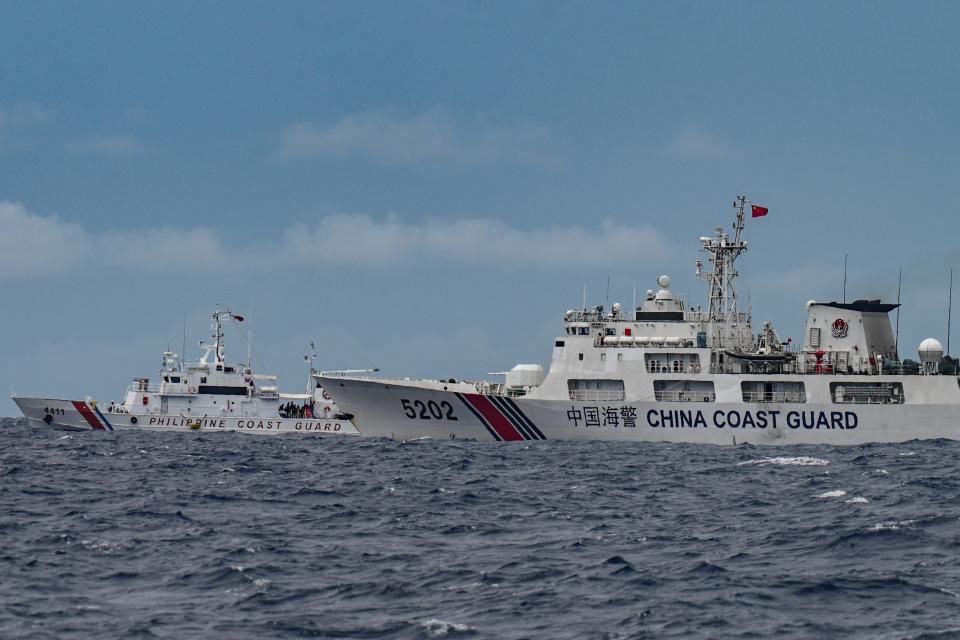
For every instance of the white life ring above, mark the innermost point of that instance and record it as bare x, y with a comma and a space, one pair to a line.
327, 411
326, 396
192, 390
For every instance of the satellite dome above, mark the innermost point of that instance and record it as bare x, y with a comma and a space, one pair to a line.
930, 351
663, 281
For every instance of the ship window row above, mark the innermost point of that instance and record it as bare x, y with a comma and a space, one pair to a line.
578, 331
764, 391
596, 389
866, 392
672, 362
754, 391
173, 379
684, 391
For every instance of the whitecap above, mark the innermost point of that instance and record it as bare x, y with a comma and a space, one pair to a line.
836, 493
101, 546
803, 461
857, 500
892, 525
882, 472
441, 628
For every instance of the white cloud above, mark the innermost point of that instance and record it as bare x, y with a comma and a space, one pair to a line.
693, 143
166, 249
108, 145
479, 241
34, 245
428, 137
38, 245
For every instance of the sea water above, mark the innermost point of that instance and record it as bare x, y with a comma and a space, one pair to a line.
180, 535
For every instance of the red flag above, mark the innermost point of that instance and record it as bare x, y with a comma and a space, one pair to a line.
758, 212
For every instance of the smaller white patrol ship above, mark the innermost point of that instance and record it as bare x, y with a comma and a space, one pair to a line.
206, 395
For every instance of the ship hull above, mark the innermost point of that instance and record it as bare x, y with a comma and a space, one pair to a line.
81, 415
394, 410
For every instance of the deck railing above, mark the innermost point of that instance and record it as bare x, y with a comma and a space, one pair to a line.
606, 395
685, 396
774, 396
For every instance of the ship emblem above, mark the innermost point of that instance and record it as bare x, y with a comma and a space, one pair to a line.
840, 328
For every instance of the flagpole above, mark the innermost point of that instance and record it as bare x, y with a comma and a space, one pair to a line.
896, 340
844, 278
949, 310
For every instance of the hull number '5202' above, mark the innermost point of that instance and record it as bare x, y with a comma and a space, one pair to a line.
429, 410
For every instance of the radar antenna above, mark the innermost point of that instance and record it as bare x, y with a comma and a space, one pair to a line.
724, 251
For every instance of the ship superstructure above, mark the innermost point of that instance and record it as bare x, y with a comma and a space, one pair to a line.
663, 371
208, 394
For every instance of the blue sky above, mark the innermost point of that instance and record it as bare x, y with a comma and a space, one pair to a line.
426, 187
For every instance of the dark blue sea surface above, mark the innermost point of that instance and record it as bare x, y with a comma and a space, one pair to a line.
188, 535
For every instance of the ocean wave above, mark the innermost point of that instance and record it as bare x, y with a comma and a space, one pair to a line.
803, 461
374, 539
835, 493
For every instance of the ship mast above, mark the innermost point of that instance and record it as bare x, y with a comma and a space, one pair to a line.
724, 251
218, 344
218, 335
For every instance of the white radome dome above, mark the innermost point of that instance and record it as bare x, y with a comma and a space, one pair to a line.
930, 350
663, 281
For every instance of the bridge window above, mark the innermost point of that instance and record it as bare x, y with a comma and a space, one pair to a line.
680, 362
866, 392
684, 391
606, 390
765, 391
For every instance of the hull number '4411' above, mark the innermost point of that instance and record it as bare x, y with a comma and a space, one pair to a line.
430, 410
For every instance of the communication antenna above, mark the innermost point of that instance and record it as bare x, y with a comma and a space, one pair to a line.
896, 340
608, 288
584, 296
183, 350
949, 310
310, 357
844, 278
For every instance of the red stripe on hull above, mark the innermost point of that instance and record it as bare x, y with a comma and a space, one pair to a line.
497, 420
88, 415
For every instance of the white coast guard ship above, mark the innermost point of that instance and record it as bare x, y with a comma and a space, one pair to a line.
666, 372
206, 395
